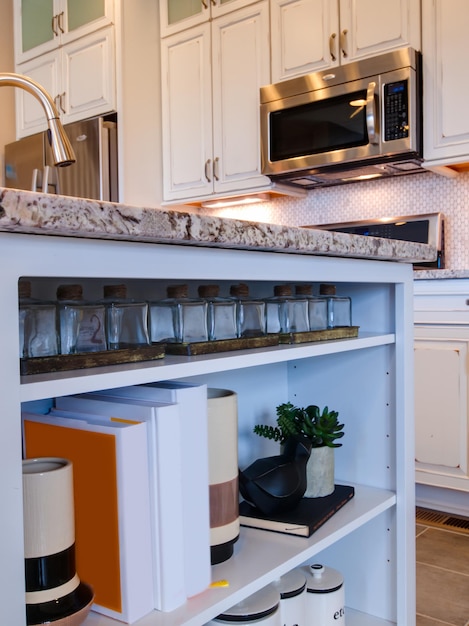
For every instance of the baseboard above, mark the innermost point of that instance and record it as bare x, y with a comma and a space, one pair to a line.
439, 499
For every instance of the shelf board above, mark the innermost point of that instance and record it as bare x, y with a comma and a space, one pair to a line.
262, 556
40, 386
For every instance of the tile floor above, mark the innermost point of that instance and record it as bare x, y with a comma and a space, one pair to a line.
442, 575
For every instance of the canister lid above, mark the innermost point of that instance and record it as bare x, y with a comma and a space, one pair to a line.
255, 607
321, 579
291, 584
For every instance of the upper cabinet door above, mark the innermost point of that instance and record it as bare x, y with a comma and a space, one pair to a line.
445, 49
305, 37
177, 15
368, 27
313, 35
44, 25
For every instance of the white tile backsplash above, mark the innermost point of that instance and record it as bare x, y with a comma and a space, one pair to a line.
406, 195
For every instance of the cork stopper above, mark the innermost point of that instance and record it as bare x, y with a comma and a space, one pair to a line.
239, 291
69, 292
327, 290
177, 291
208, 291
282, 290
24, 289
115, 291
303, 290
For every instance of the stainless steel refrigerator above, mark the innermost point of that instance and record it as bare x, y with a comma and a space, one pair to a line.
29, 164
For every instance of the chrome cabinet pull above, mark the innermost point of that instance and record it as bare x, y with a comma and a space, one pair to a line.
371, 119
216, 167
207, 170
332, 52
343, 43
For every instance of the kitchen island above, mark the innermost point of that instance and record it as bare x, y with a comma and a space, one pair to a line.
368, 379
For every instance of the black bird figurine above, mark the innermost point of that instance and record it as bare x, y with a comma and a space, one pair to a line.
277, 483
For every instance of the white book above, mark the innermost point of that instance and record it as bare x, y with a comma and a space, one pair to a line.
164, 453
112, 506
192, 401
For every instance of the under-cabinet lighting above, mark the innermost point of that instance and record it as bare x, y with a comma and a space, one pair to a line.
237, 201
363, 177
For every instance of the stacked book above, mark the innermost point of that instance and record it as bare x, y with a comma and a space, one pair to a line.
141, 485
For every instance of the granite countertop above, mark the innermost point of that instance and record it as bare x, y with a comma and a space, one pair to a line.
440, 274
46, 214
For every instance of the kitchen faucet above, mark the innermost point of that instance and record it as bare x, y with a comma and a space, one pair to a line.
62, 150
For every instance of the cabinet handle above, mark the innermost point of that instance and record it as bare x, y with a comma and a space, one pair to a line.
216, 172
207, 170
60, 21
214, 3
332, 46
53, 25
204, 4
62, 102
343, 43
371, 113
34, 179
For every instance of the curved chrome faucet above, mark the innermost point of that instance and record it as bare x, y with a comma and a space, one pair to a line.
62, 150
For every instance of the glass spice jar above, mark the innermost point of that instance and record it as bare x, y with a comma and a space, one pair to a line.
339, 308
285, 313
178, 318
37, 324
126, 319
221, 313
250, 312
81, 323
317, 307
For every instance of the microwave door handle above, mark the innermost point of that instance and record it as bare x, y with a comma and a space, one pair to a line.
34, 179
371, 118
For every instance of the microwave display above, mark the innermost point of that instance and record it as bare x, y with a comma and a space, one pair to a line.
335, 123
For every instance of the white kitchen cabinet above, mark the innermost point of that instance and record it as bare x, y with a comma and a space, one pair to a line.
367, 379
444, 53
43, 25
312, 35
177, 15
211, 75
80, 77
441, 383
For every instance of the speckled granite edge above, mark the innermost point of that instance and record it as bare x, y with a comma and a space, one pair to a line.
440, 274
45, 214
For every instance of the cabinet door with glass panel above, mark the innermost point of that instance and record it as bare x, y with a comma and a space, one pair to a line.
177, 15
44, 25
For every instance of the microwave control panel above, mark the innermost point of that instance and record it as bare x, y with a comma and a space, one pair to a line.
396, 111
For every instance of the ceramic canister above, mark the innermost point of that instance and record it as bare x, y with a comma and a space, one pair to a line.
54, 591
222, 407
261, 608
325, 600
292, 589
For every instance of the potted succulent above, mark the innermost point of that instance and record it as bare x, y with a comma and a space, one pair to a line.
322, 428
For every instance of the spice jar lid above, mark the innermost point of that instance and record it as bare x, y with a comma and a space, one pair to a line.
69, 292
255, 607
303, 290
327, 290
177, 291
239, 290
208, 291
282, 290
115, 291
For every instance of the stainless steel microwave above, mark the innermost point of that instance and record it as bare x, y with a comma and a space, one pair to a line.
360, 120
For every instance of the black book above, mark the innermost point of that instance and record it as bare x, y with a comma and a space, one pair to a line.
309, 515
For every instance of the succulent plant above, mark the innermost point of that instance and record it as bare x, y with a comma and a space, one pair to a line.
322, 428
